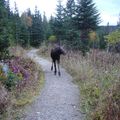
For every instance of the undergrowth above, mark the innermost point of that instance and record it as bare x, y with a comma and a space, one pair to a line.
20, 86
98, 77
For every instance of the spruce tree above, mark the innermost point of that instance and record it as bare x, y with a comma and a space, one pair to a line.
46, 28
10, 24
4, 33
71, 34
58, 22
87, 19
37, 29
25, 36
17, 26
51, 24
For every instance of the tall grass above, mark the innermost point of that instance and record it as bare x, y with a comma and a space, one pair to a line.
98, 77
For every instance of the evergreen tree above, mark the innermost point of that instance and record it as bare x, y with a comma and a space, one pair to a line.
25, 31
29, 25
37, 29
51, 24
46, 28
71, 34
26, 28
4, 34
87, 19
70, 10
17, 25
58, 22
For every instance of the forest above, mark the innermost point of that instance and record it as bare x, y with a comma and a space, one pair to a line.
76, 26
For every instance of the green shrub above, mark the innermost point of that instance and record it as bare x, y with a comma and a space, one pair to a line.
11, 81
52, 38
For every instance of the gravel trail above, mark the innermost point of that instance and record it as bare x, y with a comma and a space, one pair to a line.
58, 100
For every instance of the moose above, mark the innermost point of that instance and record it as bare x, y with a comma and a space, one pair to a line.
55, 55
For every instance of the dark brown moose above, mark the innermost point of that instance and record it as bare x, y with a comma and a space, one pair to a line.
55, 55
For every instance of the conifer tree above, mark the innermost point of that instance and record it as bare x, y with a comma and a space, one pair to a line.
37, 29
87, 19
4, 34
71, 34
58, 22
46, 28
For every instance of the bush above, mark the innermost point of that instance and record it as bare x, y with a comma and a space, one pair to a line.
52, 38
11, 81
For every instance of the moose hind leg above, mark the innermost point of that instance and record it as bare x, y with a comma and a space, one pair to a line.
52, 66
55, 68
58, 63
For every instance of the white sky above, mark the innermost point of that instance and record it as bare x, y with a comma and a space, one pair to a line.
109, 9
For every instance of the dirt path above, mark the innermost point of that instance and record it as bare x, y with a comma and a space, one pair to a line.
59, 99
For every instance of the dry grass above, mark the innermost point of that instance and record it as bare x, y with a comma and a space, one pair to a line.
98, 75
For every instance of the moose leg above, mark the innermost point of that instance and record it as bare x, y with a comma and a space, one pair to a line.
52, 66
58, 63
55, 67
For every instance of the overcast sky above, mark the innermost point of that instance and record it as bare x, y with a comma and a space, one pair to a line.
109, 9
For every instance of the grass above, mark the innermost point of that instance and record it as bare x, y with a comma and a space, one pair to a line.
98, 77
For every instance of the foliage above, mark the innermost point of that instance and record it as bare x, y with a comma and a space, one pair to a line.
113, 37
52, 38
94, 39
11, 81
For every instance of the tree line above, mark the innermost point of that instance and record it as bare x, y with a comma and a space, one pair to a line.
74, 25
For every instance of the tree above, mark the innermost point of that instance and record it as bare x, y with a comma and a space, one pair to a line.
37, 29
16, 25
4, 33
58, 22
71, 34
87, 19
10, 24
46, 28
51, 24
